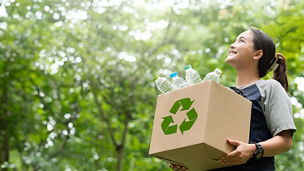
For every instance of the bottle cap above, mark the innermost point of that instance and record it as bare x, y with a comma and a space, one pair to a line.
218, 71
155, 78
187, 67
174, 74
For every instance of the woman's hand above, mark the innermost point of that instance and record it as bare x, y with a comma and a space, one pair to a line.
240, 155
178, 167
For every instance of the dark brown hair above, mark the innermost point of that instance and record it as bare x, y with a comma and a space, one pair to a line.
264, 42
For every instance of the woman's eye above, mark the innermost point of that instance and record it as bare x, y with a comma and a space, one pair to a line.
241, 40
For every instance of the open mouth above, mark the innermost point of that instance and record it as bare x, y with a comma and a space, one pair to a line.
232, 53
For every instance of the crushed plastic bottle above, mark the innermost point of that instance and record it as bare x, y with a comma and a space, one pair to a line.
177, 82
192, 76
215, 75
163, 84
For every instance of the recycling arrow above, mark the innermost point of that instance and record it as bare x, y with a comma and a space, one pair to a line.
186, 125
165, 125
186, 104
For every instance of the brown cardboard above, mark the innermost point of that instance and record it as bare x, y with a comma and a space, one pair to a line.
221, 114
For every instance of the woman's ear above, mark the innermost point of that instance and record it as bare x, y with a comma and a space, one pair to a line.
258, 54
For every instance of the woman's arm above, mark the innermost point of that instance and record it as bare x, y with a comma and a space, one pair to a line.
278, 144
243, 151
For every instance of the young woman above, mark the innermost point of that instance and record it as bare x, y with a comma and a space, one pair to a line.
253, 55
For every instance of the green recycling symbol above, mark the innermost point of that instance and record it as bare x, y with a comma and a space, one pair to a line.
186, 125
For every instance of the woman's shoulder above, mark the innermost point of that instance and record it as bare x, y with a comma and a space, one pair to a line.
270, 82
270, 86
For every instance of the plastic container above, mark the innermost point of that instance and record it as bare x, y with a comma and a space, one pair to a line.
215, 75
177, 82
192, 76
163, 84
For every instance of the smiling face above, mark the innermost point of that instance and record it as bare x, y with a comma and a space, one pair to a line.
242, 53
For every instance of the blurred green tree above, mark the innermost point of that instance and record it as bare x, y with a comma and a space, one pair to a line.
77, 89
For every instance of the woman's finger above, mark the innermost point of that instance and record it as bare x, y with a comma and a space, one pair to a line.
185, 168
173, 166
178, 167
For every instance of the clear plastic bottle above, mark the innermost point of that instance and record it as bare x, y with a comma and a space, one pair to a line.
177, 82
215, 75
163, 84
192, 76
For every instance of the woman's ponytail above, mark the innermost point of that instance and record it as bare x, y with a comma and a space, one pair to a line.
270, 61
280, 72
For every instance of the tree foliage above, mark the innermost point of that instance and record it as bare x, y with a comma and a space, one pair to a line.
76, 85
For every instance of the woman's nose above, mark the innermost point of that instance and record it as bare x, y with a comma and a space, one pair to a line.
232, 46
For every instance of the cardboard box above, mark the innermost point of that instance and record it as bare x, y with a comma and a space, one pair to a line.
191, 125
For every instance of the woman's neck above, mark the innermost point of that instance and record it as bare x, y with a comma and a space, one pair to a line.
245, 78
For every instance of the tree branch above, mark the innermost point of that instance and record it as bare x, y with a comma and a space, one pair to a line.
125, 131
63, 144
4, 132
103, 116
45, 105
165, 38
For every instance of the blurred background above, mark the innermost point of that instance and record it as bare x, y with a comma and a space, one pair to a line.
76, 76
